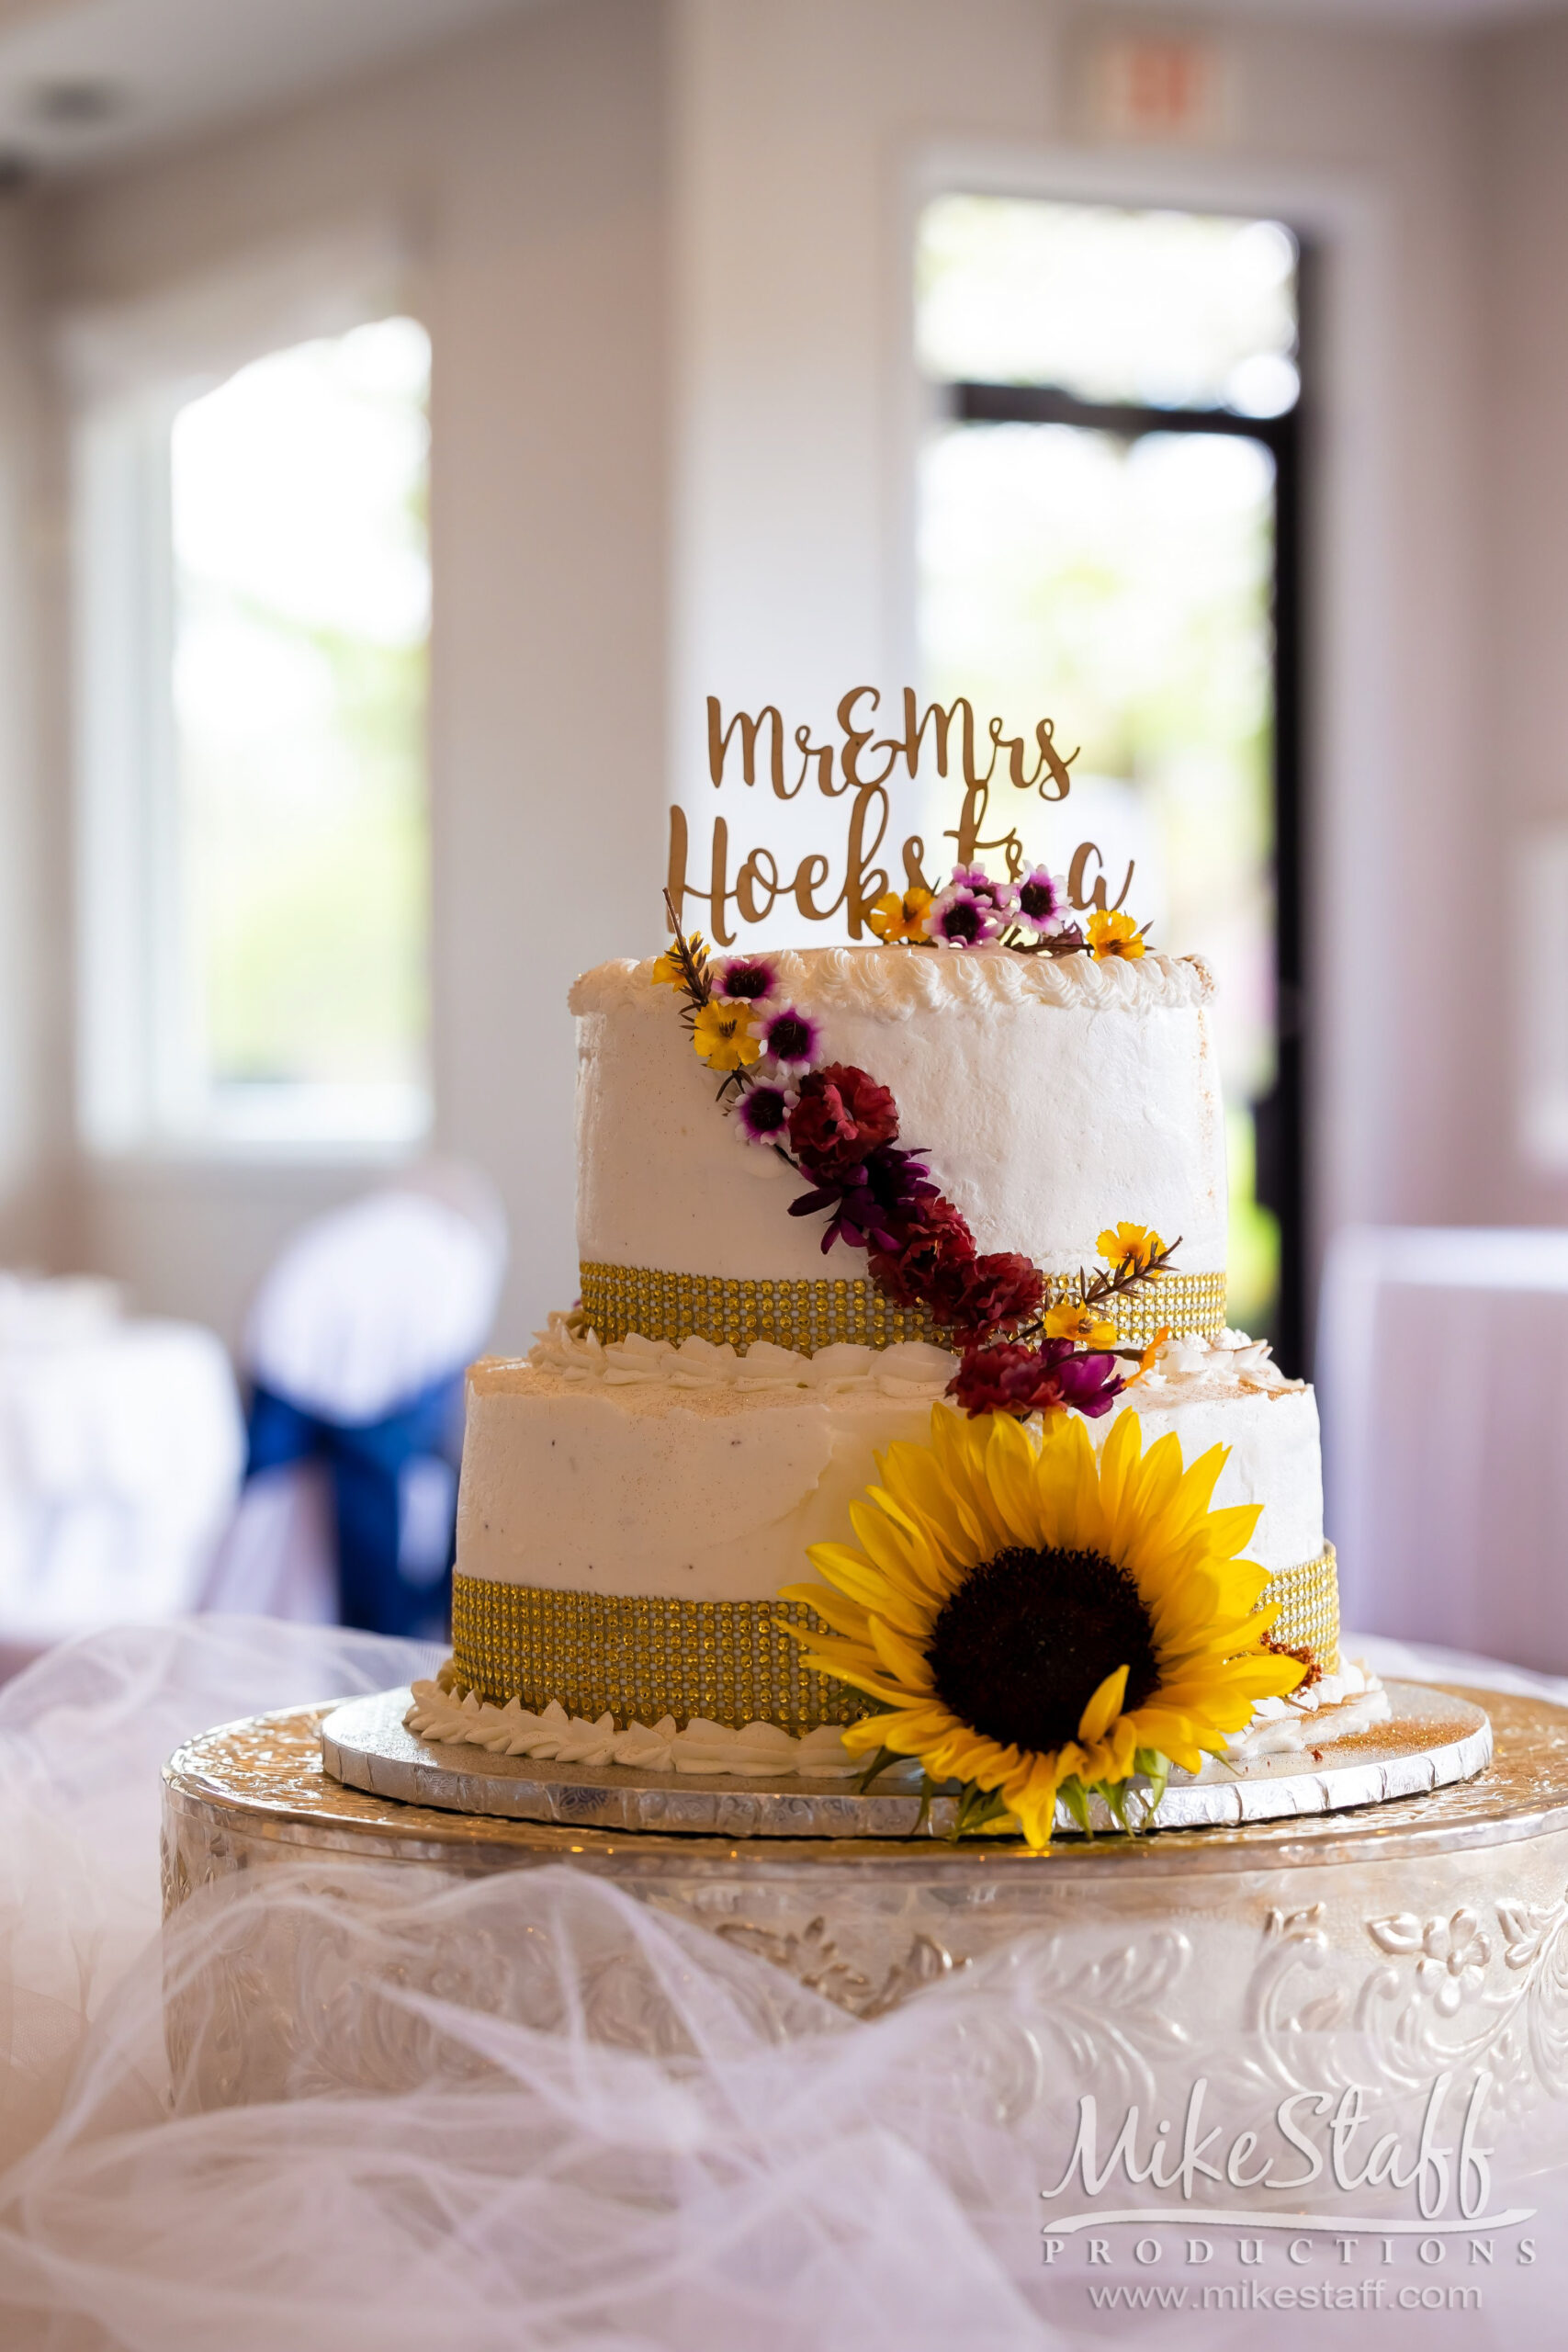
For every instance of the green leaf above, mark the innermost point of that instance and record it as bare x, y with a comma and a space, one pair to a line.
1155, 1769
1073, 1796
879, 1763
1115, 1795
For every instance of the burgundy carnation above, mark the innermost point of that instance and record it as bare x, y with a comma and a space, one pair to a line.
931, 1251
1007, 1378
995, 1293
842, 1113
876, 1203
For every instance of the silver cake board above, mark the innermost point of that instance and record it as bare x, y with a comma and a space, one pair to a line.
1433, 1740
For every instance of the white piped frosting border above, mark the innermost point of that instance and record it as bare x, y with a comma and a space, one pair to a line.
1338, 1706
895, 983
911, 1368
758, 1751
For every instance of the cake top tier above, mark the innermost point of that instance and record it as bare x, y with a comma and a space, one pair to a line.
1051, 1097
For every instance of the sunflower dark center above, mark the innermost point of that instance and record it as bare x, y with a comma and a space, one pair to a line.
1026, 1641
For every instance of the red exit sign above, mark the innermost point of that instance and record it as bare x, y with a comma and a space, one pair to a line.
1160, 88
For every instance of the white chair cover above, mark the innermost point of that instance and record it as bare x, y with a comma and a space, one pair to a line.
371, 1303
365, 1307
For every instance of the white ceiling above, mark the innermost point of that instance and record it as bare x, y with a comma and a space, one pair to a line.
84, 81
81, 80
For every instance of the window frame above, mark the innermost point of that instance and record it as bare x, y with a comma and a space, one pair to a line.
128, 370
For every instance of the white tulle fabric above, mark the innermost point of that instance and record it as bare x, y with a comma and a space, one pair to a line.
700, 2154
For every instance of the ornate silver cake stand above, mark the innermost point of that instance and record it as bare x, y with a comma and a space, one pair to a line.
1432, 1739
1403, 1953
1453, 1904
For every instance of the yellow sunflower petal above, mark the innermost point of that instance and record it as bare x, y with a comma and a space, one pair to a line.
1105, 1706
835, 1609
904, 1658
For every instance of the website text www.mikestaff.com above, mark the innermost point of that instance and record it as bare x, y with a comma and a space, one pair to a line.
1256, 2295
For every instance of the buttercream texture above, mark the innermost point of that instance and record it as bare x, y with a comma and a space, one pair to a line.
1053, 1098
698, 1474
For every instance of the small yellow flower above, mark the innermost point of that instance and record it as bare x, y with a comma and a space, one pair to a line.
893, 918
668, 972
1085, 1326
1146, 1361
722, 1036
1111, 935
1136, 1246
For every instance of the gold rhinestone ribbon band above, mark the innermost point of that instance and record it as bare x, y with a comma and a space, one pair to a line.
806, 1316
1309, 1609
727, 1661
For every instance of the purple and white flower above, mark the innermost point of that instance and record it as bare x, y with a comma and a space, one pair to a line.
961, 917
1042, 903
791, 1040
745, 980
763, 1113
1000, 894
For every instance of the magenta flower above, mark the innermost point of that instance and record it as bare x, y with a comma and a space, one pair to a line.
791, 1040
1009, 1378
874, 1201
1042, 903
745, 980
999, 895
961, 917
763, 1113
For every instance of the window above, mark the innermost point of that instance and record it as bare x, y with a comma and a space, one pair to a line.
1108, 532
255, 608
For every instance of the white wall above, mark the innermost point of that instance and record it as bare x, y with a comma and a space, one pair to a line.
1520, 778
526, 166
34, 1011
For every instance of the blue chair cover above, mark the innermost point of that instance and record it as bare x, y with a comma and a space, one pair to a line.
367, 1464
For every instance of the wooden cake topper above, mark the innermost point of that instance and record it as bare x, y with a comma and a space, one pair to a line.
858, 768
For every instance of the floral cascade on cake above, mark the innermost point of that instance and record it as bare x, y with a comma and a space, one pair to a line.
1025, 1609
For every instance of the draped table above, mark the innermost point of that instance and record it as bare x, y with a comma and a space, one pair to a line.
1443, 1380
1411, 1955
394, 2089
121, 1445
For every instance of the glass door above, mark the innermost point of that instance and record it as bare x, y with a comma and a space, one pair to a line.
1108, 532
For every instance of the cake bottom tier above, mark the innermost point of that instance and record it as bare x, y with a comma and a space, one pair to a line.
622, 1542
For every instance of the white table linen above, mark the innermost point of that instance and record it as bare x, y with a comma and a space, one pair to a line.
122, 1446
1442, 1373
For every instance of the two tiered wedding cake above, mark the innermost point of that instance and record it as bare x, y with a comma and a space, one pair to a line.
995, 1132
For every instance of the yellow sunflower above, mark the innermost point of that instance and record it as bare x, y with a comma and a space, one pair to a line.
1028, 1614
721, 1033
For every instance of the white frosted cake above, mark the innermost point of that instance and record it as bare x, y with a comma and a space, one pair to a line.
636, 1492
